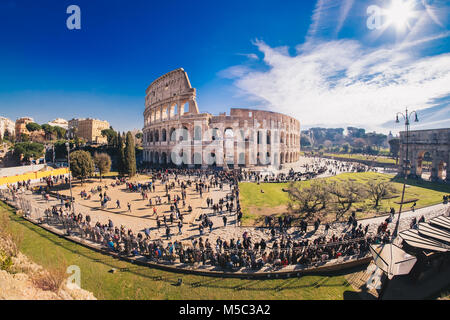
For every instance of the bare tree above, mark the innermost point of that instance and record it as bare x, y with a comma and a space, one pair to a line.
309, 200
379, 189
345, 195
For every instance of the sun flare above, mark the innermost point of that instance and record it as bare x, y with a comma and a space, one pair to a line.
399, 13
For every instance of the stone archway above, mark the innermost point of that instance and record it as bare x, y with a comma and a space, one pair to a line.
442, 170
424, 165
428, 154
197, 159
173, 135
163, 158
150, 159
228, 145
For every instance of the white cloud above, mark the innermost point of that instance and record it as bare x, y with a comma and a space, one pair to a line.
342, 82
251, 56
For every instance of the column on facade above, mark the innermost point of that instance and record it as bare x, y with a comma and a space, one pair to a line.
435, 167
447, 178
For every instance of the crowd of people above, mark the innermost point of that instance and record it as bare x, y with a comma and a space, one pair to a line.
281, 249
224, 253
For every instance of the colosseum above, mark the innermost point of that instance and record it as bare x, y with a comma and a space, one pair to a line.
176, 133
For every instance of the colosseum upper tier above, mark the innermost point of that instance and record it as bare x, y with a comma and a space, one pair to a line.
176, 133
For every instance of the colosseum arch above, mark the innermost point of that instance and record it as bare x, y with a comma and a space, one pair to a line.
173, 112
164, 158
436, 143
173, 135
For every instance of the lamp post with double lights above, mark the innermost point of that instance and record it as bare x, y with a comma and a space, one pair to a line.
406, 163
388, 255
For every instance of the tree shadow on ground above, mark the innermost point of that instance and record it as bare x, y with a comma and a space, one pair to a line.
435, 186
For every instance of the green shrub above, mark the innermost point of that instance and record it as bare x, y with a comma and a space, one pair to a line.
6, 262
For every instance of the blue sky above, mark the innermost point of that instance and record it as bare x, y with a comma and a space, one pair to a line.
315, 60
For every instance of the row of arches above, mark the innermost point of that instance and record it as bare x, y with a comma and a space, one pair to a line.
262, 136
167, 112
429, 166
164, 135
210, 158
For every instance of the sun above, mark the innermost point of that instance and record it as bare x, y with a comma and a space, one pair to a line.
399, 13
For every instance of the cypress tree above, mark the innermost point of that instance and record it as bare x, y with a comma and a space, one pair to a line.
121, 155
130, 155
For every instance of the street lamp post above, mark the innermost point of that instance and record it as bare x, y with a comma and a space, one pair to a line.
406, 164
70, 176
406, 167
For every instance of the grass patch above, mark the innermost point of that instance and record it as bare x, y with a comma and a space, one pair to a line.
138, 282
379, 159
254, 203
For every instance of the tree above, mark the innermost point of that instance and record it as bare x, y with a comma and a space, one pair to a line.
356, 132
49, 131
103, 163
308, 200
60, 132
376, 139
7, 135
28, 150
346, 147
81, 165
121, 156
78, 141
32, 126
345, 194
60, 149
379, 189
359, 143
24, 137
130, 155
394, 147
305, 141
139, 135
110, 135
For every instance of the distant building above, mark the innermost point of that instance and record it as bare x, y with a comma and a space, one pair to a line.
7, 124
21, 126
58, 122
390, 136
89, 129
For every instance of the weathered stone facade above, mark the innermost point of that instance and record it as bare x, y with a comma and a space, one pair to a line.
89, 129
436, 143
173, 126
21, 127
